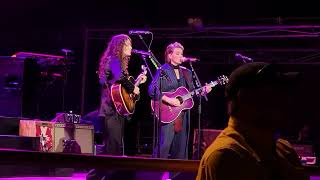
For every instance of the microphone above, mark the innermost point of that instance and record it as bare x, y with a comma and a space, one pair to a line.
190, 59
245, 59
133, 32
67, 50
134, 51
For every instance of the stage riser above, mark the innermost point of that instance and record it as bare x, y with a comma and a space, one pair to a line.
9, 125
31, 144
19, 142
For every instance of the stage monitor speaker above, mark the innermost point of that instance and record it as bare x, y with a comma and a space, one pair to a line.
306, 153
11, 80
53, 136
207, 137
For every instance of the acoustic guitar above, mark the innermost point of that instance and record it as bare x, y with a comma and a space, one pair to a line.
170, 113
124, 101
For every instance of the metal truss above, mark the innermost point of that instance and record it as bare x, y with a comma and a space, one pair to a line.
222, 32
286, 43
235, 32
207, 37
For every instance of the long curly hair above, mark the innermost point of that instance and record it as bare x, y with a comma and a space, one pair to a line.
114, 49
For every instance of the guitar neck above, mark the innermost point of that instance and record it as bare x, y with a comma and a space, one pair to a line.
137, 82
197, 91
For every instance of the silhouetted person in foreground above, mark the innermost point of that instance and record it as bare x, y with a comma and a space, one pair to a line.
250, 148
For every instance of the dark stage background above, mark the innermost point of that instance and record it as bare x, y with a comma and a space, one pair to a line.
269, 31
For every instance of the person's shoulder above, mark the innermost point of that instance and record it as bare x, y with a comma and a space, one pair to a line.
114, 59
228, 141
185, 69
222, 147
284, 145
165, 66
114, 62
220, 155
287, 151
219, 163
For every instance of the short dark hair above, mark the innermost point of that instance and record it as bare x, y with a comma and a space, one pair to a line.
254, 74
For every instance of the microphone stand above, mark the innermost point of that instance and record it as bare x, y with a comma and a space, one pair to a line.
65, 74
156, 124
198, 85
155, 128
244, 59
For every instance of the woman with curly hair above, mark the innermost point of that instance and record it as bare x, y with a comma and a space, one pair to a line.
113, 68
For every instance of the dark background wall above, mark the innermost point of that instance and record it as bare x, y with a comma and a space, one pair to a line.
48, 26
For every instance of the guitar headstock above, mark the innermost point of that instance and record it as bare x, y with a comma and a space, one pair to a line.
222, 80
144, 69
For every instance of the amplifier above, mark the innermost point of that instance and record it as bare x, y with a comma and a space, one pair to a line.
207, 137
53, 136
11, 81
306, 153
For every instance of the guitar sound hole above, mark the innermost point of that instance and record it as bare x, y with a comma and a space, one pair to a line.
180, 99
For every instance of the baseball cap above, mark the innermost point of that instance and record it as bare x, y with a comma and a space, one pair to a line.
257, 73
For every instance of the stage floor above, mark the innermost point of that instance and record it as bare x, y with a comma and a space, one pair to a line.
82, 176
75, 176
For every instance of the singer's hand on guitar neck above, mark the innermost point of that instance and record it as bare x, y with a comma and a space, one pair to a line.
171, 101
206, 89
136, 90
143, 78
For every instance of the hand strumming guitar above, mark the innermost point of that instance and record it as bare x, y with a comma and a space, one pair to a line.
171, 101
142, 78
136, 90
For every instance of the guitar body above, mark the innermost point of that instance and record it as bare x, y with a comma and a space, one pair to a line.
123, 101
170, 113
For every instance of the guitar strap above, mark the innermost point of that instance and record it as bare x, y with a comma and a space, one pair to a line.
187, 77
178, 122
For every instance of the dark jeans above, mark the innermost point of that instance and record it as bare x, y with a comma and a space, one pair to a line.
173, 144
113, 136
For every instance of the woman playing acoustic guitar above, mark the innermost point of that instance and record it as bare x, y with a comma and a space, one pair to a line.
113, 68
173, 135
